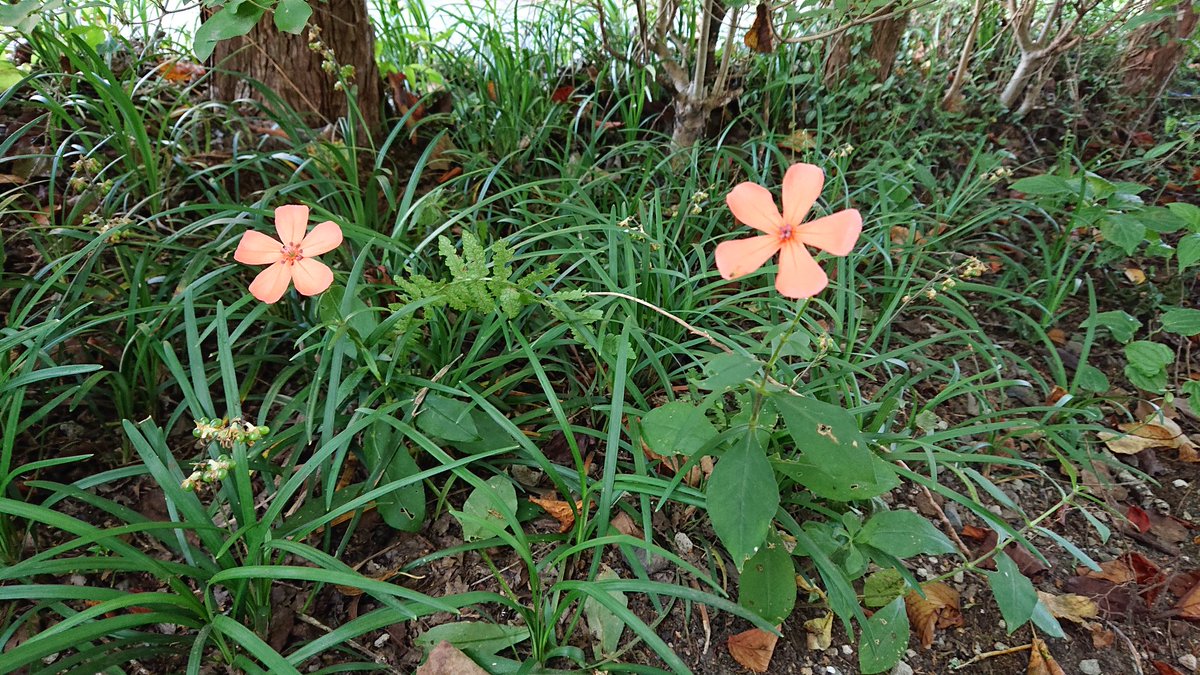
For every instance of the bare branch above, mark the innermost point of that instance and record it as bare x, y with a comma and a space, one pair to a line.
882, 14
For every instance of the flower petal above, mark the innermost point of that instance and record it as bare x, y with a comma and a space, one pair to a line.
271, 283
311, 276
801, 186
742, 256
799, 275
755, 206
322, 239
256, 248
290, 223
834, 234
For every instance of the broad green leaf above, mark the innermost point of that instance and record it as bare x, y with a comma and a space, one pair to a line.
1092, 379
1123, 231
1014, 592
884, 638
767, 586
603, 623
1120, 324
904, 534
384, 450
10, 75
677, 428
1188, 251
1188, 213
1181, 321
481, 637
1044, 185
1152, 382
1044, 619
742, 498
291, 15
1148, 357
1191, 389
447, 418
831, 455
883, 587
483, 505
236, 18
725, 371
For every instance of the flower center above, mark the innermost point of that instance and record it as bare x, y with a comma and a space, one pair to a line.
785, 233
291, 253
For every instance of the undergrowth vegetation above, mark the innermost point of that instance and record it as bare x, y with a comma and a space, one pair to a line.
525, 319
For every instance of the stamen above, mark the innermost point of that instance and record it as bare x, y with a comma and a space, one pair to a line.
785, 233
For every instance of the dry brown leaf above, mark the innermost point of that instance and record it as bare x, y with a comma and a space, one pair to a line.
819, 632
1058, 336
1056, 394
1135, 276
446, 659
1164, 668
561, 511
760, 37
1071, 607
12, 179
1102, 638
753, 649
1040, 660
1115, 571
624, 524
1189, 605
1162, 432
937, 610
798, 141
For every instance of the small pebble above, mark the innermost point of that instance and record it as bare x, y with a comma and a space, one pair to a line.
683, 543
923, 573
1089, 667
910, 653
805, 670
1002, 624
1179, 483
902, 668
994, 508
1000, 646
1188, 661
847, 650
958, 577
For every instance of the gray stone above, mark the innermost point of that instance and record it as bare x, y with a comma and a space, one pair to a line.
1188, 661
1089, 667
902, 668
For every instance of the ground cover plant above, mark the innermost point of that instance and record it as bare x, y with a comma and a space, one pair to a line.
674, 337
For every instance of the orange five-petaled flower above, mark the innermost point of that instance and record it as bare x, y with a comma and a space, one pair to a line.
799, 275
291, 256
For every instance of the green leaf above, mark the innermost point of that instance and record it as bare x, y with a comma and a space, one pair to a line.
482, 505
832, 457
1188, 213
1044, 619
603, 623
234, 19
447, 418
1124, 232
725, 371
768, 582
1014, 592
478, 636
882, 587
677, 428
291, 15
1120, 324
1148, 357
1191, 389
1044, 185
1092, 379
10, 76
903, 534
1181, 321
383, 450
1151, 382
1188, 251
884, 638
742, 498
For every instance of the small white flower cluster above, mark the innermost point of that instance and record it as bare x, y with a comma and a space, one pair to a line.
997, 174
226, 433
207, 472
842, 151
972, 268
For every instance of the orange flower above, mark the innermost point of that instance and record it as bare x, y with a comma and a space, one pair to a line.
799, 275
291, 256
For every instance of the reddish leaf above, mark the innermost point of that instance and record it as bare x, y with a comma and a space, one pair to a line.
1040, 660
753, 649
1165, 668
938, 609
563, 94
446, 659
1139, 518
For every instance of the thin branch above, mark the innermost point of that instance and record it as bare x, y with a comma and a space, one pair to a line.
883, 14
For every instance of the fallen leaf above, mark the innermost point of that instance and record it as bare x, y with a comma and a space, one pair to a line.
760, 37
624, 524
1102, 638
446, 659
819, 632
1027, 563
563, 94
560, 511
1056, 394
1169, 528
1040, 660
939, 609
1135, 276
1162, 432
1189, 605
1165, 668
180, 71
1139, 518
1058, 336
1072, 607
753, 649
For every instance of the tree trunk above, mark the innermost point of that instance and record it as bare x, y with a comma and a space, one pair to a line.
885, 39
1153, 54
1020, 77
837, 59
286, 65
952, 100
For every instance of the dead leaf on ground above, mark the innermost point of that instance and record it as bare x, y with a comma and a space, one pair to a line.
1056, 394
1139, 518
1162, 432
1040, 660
819, 632
1135, 276
986, 540
1189, 605
1072, 607
939, 609
446, 659
1165, 668
624, 524
753, 649
1058, 336
1102, 638
560, 511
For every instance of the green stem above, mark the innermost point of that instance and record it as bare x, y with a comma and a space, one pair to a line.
760, 391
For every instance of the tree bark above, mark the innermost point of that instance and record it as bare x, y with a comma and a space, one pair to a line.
837, 59
1153, 54
952, 100
286, 65
885, 39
